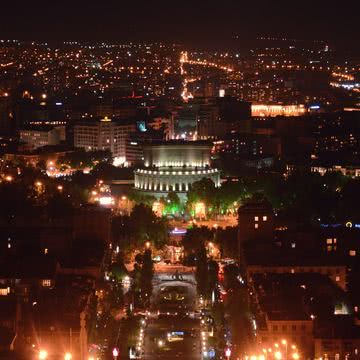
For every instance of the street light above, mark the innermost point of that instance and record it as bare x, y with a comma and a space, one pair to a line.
67, 356
148, 244
228, 353
43, 354
284, 342
295, 356
115, 353
278, 355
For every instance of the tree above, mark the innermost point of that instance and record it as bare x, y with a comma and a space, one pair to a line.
227, 240
172, 203
205, 191
81, 159
132, 232
195, 238
147, 272
14, 201
213, 270
141, 198
202, 272
230, 193
146, 226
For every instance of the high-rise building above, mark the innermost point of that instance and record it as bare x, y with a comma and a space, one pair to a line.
104, 134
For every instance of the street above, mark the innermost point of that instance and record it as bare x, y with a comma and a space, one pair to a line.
174, 332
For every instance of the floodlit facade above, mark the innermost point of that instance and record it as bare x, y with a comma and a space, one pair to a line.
174, 166
104, 135
277, 110
40, 136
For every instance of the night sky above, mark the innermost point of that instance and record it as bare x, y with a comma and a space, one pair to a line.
191, 22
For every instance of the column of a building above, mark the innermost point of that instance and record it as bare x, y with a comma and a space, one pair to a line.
145, 183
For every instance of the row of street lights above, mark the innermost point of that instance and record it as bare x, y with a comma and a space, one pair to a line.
43, 355
276, 353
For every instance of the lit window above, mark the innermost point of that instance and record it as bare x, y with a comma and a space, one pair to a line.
264, 218
46, 283
329, 241
4, 292
256, 218
337, 278
334, 241
256, 226
352, 252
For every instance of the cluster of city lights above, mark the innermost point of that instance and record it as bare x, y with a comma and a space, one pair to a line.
140, 342
282, 351
44, 355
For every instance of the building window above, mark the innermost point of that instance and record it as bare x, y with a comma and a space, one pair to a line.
337, 278
293, 327
264, 218
352, 252
275, 328
256, 218
329, 241
4, 292
46, 283
256, 226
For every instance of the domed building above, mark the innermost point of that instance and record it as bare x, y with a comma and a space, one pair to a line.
174, 166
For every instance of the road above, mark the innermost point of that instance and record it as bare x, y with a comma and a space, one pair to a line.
174, 333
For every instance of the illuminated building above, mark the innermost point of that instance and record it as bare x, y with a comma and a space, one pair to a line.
38, 136
351, 171
104, 135
276, 110
174, 166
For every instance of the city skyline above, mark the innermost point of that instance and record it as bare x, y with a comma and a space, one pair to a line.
179, 181
208, 23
